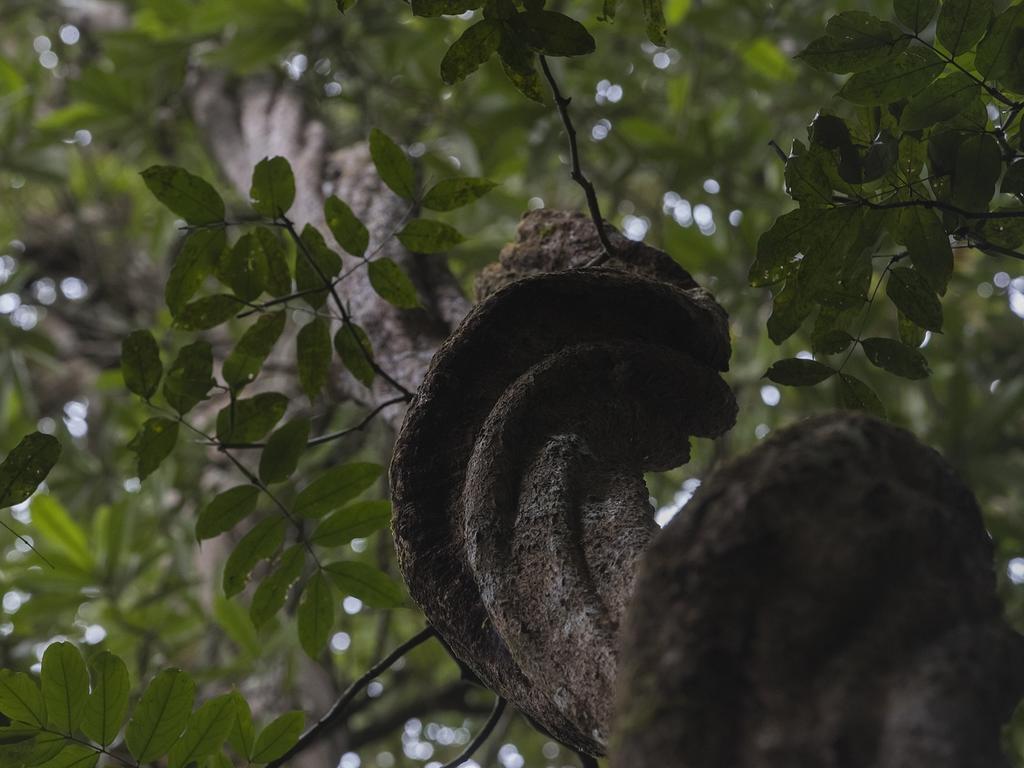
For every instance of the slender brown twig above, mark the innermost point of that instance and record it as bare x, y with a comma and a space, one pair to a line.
481, 737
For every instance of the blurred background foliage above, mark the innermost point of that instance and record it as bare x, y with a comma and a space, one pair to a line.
676, 141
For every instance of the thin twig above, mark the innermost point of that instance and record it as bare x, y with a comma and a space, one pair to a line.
562, 103
937, 204
320, 726
481, 737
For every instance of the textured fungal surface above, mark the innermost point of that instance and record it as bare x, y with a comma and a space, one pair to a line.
827, 600
520, 505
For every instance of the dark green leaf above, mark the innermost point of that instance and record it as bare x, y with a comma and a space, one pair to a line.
425, 236
807, 181
392, 165
962, 23
352, 521
349, 231
73, 756
353, 346
854, 41
654, 21
392, 284
20, 699
915, 298
915, 14
551, 33
190, 377
160, 716
520, 66
361, 581
790, 308
476, 45
880, 157
21, 745
278, 737
250, 419
108, 700
226, 510
999, 50
198, 257
911, 333
258, 544
185, 194
978, 166
314, 356
203, 314
855, 394
1013, 179
945, 98
244, 267
248, 356
902, 76
207, 729
1005, 233
928, 245
279, 277
449, 194
316, 614
896, 358
831, 342
272, 591
281, 455
315, 266
434, 8
241, 736
829, 132
778, 247
273, 187
26, 466
796, 372
153, 443
335, 488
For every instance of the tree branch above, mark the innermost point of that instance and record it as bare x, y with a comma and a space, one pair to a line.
481, 737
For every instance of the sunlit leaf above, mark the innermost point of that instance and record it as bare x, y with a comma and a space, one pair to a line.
58, 529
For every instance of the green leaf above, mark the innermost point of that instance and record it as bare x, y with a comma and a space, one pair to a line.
434, 8
316, 614
790, 307
901, 76
520, 66
915, 298
190, 377
48, 746
55, 526
185, 194
854, 41
1013, 179
807, 180
273, 187
449, 194
911, 333
160, 716
234, 620
26, 466
279, 277
376, 589
244, 421
831, 342
108, 700
244, 269
349, 231
998, 51
258, 544
1005, 233
140, 364
65, 682
654, 19
314, 356
248, 356
962, 23
20, 698
944, 99
278, 737
476, 46
272, 591
315, 266
227, 509
73, 756
281, 455
978, 166
855, 394
392, 164
207, 312
197, 258
890, 355
928, 245
334, 488
207, 729
797, 372
915, 14
392, 284
425, 236
241, 736
778, 247
551, 33
356, 352
153, 443
20, 745
353, 521
829, 132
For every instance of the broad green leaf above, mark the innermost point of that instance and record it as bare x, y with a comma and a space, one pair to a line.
207, 312
790, 307
979, 162
314, 356
272, 591
777, 248
273, 187
1013, 179
242, 734
250, 419
913, 297
140, 364
190, 377
185, 194
654, 21
854, 41
434, 8
373, 587
392, 284
962, 23
153, 443
944, 99
73, 756
315, 266
248, 356
56, 527
65, 682
244, 269
1005, 233
218, 759
281, 455
890, 355
20, 745
392, 164
160, 716
227, 509
928, 245
279, 277
520, 66
797, 372
449, 194
551, 33
108, 701
807, 180
356, 353
911, 333
915, 14
198, 257
20, 699
348, 230
998, 52
901, 76
207, 729
335, 488
855, 394
316, 614
258, 544
48, 746
476, 46
26, 466
353, 521
425, 236
278, 737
